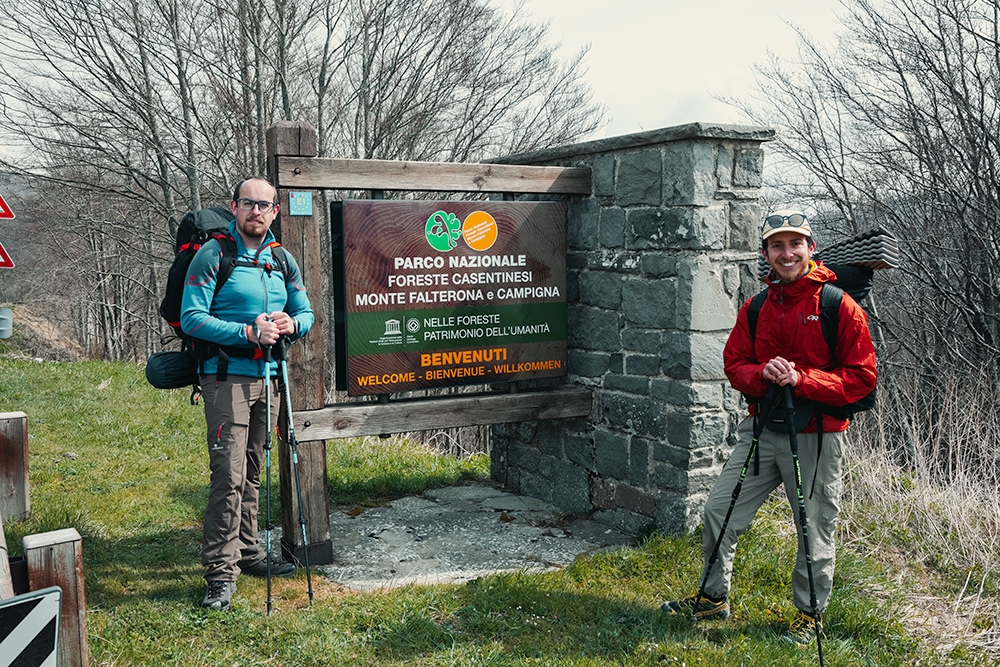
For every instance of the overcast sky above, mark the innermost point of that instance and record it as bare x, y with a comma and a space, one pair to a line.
657, 63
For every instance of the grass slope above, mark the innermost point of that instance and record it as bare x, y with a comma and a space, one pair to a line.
124, 464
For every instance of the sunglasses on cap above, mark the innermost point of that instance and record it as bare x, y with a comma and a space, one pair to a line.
776, 221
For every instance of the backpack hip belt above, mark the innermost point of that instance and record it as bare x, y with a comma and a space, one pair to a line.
204, 350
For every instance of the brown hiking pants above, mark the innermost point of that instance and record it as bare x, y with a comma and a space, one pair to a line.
236, 417
822, 503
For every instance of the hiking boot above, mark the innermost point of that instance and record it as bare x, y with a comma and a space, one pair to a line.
698, 608
219, 594
279, 568
802, 630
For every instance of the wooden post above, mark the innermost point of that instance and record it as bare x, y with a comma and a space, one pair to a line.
6, 581
15, 498
56, 559
299, 234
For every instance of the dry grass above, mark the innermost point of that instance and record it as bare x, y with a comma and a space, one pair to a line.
35, 336
924, 497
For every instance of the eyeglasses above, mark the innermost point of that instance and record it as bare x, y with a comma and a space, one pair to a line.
248, 205
776, 221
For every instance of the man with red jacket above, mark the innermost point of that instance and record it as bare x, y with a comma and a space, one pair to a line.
788, 349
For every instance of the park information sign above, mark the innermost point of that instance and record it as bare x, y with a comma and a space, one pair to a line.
439, 294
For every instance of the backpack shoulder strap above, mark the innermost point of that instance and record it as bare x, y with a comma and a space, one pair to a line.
228, 261
281, 257
754, 311
830, 297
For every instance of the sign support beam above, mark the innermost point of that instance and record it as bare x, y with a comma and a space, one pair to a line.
355, 420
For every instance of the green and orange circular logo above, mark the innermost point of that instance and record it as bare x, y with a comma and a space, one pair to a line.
443, 230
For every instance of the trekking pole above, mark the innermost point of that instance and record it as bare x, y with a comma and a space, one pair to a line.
794, 444
294, 451
758, 428
267, 466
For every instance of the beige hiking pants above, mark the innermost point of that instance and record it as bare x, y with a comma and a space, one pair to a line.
236, 418
822, 503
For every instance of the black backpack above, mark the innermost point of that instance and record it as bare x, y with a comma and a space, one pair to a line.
856, 281
169, 369
196, 228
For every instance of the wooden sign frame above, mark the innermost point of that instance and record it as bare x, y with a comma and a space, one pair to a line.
293, 166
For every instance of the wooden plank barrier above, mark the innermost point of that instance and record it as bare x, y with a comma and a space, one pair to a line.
15, 497
56, 559
351, 420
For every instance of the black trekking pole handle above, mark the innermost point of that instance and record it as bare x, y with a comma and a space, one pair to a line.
281, 348
758, 429
794, 445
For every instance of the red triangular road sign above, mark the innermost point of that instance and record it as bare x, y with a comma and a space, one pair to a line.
5, 212
5, 261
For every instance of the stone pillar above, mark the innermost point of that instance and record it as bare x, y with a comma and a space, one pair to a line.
659, 258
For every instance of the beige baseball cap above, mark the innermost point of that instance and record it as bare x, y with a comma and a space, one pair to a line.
785, 220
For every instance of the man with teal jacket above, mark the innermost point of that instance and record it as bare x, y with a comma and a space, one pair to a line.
263, 299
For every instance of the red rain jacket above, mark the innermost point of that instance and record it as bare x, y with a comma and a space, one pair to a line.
789, 326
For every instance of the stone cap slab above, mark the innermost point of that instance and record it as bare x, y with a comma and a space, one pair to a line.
664, 135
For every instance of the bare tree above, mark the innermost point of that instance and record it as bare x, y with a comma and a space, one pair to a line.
898, 126
144, 109
456, 81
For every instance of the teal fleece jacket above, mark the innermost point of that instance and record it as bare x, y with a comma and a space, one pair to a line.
251, 290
